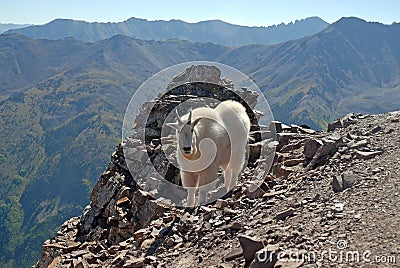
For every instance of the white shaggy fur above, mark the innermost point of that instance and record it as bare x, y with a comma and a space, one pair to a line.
207, 123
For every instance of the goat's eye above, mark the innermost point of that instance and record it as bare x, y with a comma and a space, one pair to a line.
191, 130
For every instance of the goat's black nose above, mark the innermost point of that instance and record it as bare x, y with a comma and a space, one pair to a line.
186, 150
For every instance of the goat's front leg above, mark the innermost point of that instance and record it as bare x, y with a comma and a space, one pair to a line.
190, 200
228, 178
233, 180
189, 182
207, 183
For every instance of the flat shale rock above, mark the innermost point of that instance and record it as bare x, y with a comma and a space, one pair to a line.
366, 155
250, 246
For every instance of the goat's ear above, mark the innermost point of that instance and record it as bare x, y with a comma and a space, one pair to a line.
174, 125
190, 117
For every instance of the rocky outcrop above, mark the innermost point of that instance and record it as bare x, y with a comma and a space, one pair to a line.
118, 209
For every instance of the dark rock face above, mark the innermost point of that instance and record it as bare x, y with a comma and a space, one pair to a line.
311, 147
118, 207
349, 119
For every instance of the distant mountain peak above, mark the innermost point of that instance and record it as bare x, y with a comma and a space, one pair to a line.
69, 21
7, 26
348, 20
353, 26
357, 21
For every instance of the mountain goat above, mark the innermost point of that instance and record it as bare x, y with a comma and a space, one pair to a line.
209, 139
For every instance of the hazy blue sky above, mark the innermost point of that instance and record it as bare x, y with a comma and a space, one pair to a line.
248, 12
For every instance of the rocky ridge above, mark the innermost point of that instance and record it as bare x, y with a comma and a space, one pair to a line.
327, 187
327, 191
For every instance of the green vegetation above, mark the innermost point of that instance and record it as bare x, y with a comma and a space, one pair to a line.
54, 137
88, 185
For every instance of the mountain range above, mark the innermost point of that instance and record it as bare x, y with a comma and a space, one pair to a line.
8, 26
62, 104
215, 31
